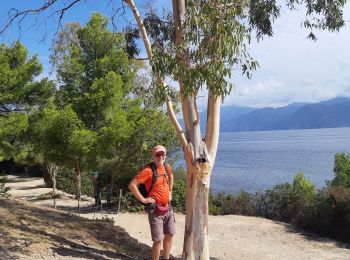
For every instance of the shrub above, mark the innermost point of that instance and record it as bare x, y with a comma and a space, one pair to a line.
66, 181
323, 211
274, 203
341, 211
216, 202
50, 195
131, 204
214, 208
302, 203
112, 178
241, 204
229, 204
341, 170
179, 190
3, 190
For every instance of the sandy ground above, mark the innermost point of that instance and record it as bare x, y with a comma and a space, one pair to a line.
230, 237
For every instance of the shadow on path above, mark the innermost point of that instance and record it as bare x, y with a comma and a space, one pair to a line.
24, 224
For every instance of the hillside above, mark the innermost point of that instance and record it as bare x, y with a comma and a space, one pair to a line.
326, 114
31, 231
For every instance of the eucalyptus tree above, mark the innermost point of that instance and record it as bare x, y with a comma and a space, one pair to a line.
211, 39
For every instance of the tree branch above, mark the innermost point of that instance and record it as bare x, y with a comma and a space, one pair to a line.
213, 126
13, 14
142, 28
176, 124
168, 102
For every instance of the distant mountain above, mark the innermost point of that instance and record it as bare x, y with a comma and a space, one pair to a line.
259, 119
335, 101
319, 115
330, 113
326, 114
227, 115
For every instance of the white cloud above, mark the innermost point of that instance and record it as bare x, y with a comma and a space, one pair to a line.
295, 69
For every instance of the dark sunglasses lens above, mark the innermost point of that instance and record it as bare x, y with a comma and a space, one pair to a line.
160, 154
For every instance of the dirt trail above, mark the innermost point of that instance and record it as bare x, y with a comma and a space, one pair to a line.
231, 236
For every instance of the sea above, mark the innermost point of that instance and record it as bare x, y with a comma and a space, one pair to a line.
256, 161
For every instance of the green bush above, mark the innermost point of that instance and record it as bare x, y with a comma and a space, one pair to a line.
50, 195
214, 205
3, 190
274, 203
326, 211
341, 211
130, 203
323, 211
241, 204
179, 190
223, 204
341, 170
216, 202
112, 179
302, 202
66, 181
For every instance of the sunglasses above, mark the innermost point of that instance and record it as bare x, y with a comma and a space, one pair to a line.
159, 154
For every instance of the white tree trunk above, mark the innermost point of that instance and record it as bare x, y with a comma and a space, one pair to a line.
199, 154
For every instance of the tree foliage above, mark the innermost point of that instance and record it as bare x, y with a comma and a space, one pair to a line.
96, 74
302, 200
61, 137
20, 94
19, 90
341, 170
321, 15
96, 81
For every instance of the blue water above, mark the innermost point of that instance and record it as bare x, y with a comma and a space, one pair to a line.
253, 161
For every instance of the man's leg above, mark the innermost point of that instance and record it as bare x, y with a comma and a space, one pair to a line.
156, 225
169, 231
167, 242
156, 249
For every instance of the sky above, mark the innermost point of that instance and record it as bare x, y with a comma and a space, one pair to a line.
296, 69
292, 67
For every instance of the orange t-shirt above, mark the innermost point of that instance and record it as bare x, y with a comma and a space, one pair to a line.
160, 191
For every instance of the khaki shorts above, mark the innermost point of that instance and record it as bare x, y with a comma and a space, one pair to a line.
161, 225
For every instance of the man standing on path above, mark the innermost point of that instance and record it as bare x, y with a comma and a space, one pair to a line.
157, 201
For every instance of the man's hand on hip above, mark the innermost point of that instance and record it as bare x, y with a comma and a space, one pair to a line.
149, 200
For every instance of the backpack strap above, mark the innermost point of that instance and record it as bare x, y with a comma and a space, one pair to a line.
155, 174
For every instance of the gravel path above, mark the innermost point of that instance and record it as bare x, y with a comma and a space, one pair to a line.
231, 236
